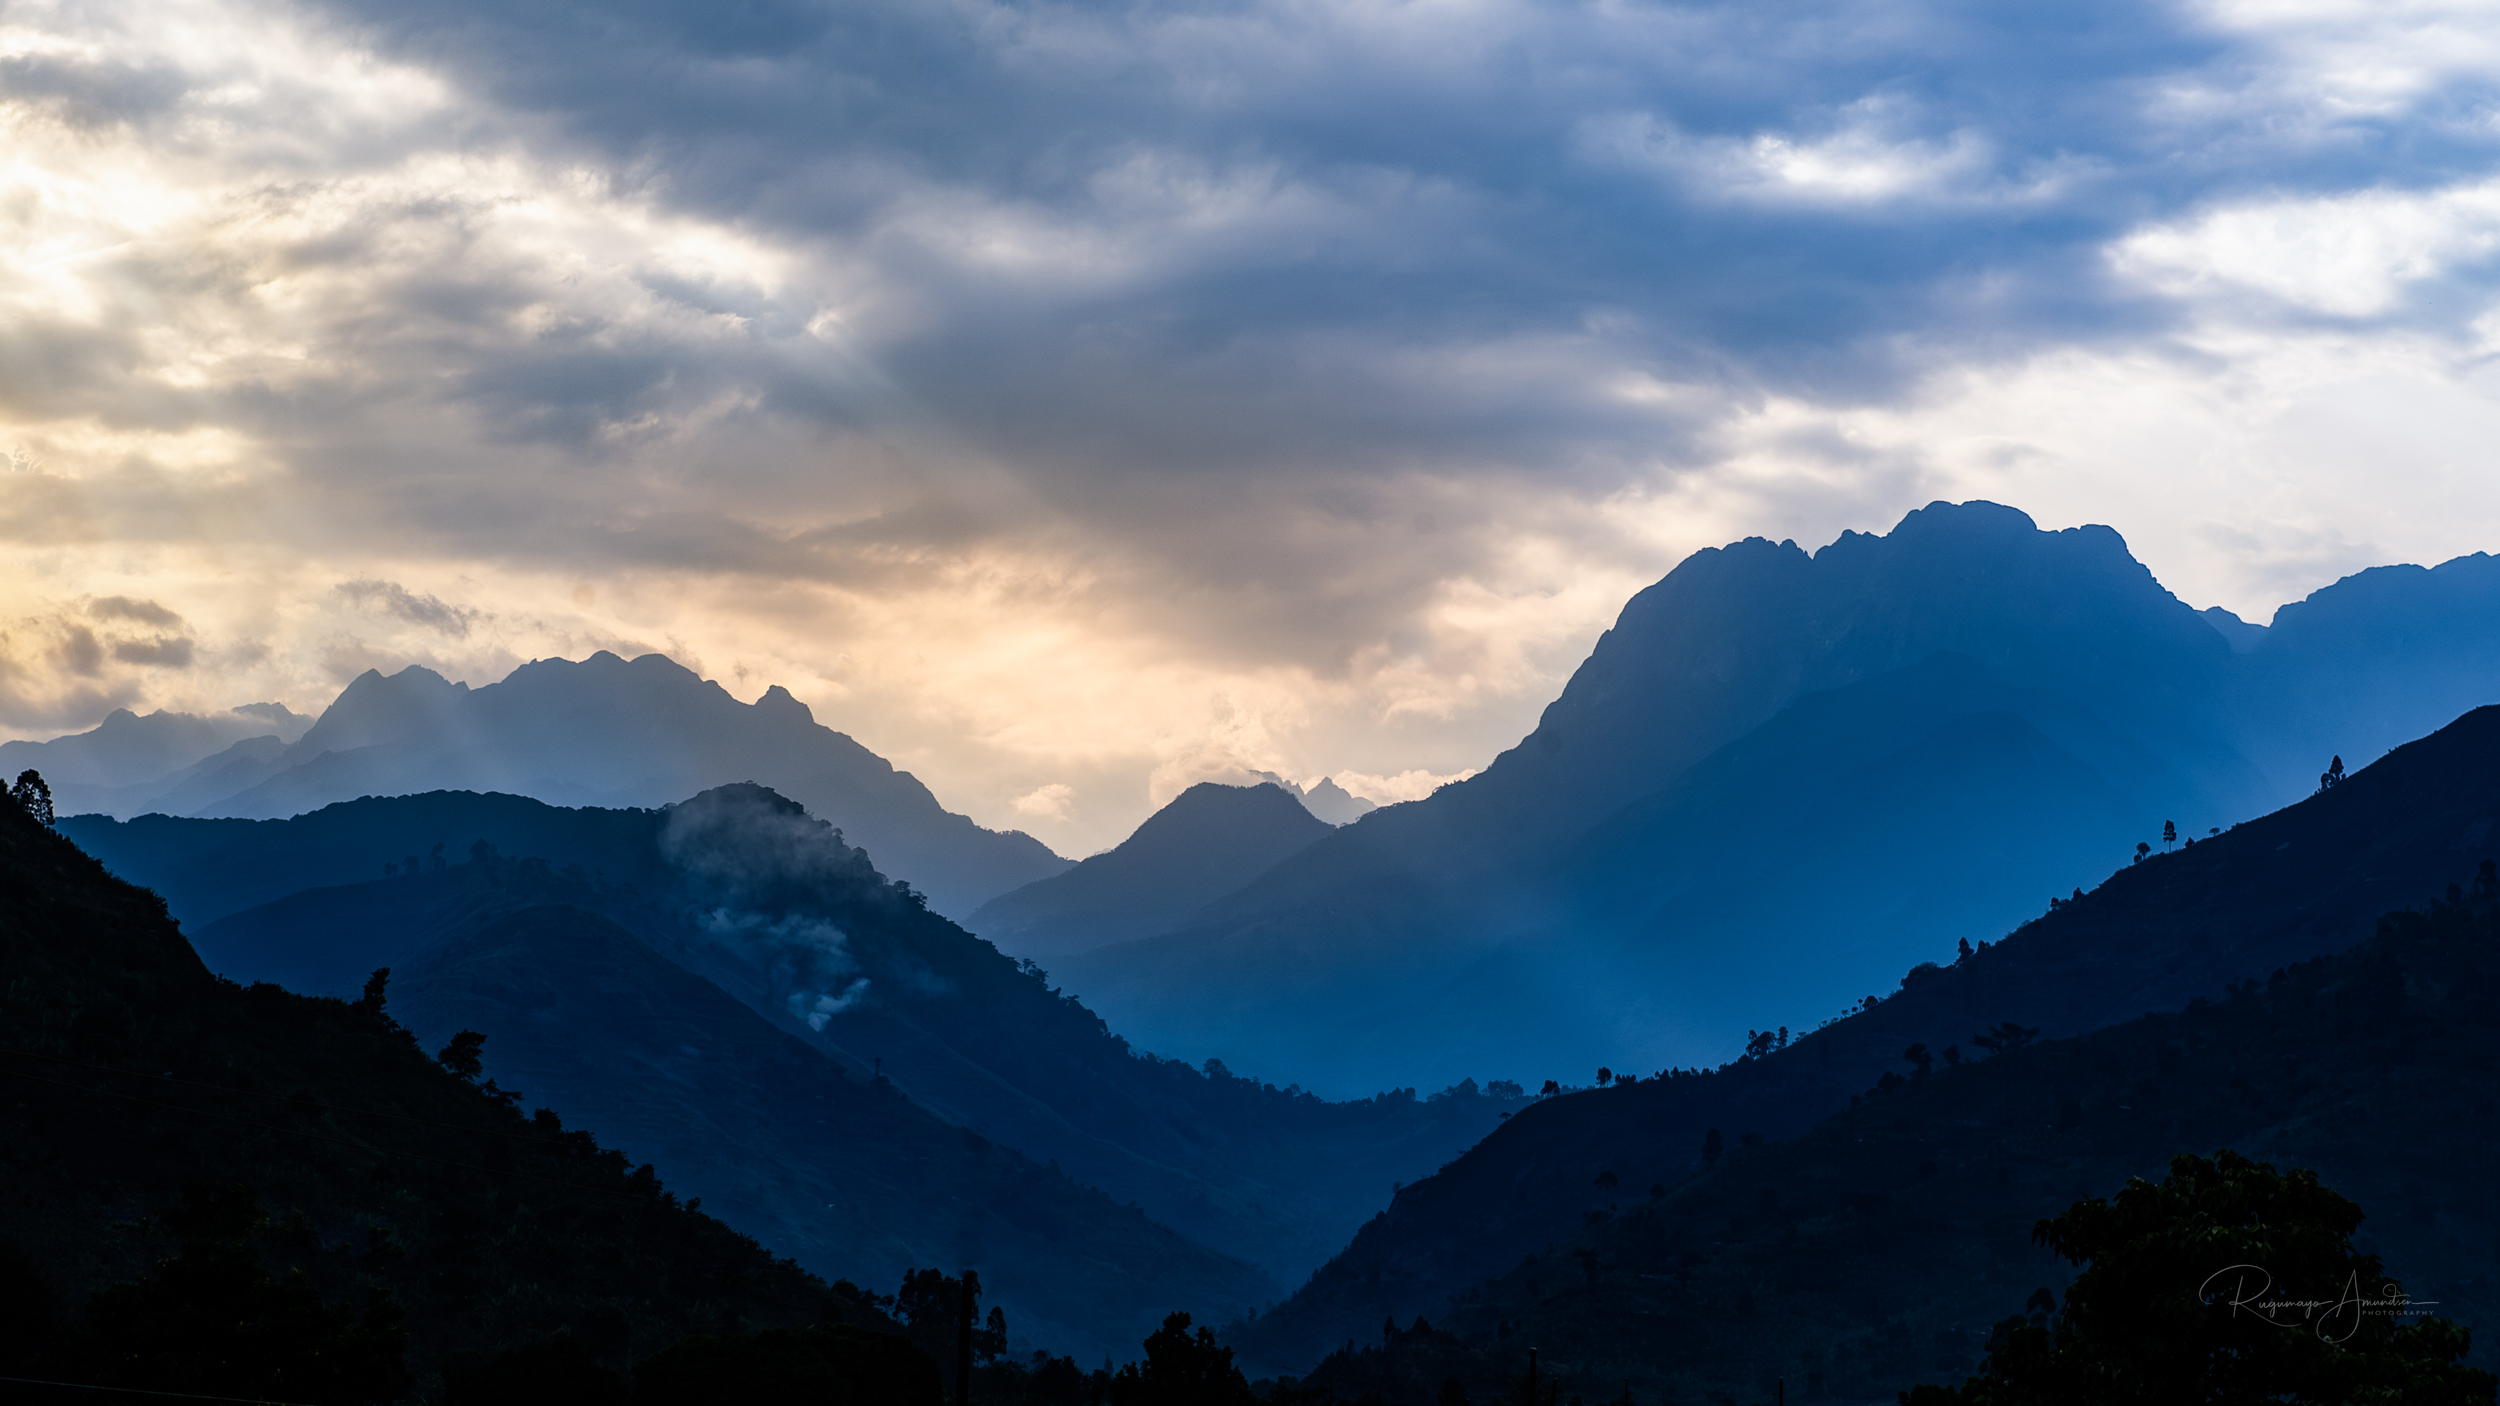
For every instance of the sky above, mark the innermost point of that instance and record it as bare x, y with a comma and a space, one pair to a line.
1076, 400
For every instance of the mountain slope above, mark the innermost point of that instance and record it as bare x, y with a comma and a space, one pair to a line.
1878, 1248
134, 1071
2301, 883
1918, 664
1210, 840
742, 888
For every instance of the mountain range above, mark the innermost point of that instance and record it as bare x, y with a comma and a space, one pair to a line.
604, 732
2178, 930
1781, 778
705, 978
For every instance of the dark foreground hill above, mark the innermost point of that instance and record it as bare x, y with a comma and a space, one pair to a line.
1878, 1249
1209, 841
743, 889
2298, 884
1792, 774
132, 1072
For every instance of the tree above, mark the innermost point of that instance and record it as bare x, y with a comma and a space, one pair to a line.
2006, 1036
2333, 776
1921, 1062
1712, 1144
461, 1055
2226, 1282
1181, 1369
371, 1002
1608, 1181
2141, 849
2169, 833
33, 795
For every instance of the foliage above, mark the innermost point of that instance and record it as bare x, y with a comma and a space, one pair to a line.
213, 1320
830, 1366
2229, 1276
135, 1071
33, 795
556, 1371
1181, 1369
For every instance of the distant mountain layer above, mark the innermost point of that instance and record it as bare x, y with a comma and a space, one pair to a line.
1780, 779
603, 732
1210, 840
2303, 883
742, 889
129, 764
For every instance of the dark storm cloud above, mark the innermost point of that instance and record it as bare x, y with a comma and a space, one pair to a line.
1401, 182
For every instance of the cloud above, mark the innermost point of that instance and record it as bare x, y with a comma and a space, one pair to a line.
391, 598
1099, 396
172, 652
146, 612
1046, 802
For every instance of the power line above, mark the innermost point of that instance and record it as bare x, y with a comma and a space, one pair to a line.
143, 1391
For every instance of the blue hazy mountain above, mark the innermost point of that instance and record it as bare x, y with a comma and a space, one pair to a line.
2202, 923
130, 762
742, 888
608, 732
1210, 840
1781, 778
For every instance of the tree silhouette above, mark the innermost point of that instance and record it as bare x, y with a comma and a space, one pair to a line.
1181, 1369
2006, 1036
1605, 1075
33, 795
1921, 1062
2333, 776
371, 1002
2169, 833
2141, 849
461, 1055
2225, 1282
1712, 1144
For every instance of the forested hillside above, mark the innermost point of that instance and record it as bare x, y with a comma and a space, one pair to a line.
2305, 882
429, 1211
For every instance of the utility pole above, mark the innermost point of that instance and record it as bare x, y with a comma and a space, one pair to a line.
963, 1341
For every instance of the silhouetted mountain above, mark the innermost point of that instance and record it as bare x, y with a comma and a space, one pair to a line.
1878, 1248
134, 1072
1803, 770
1210, 840
2293, 886
611, 733
1335, 804
128, 763
740, 887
